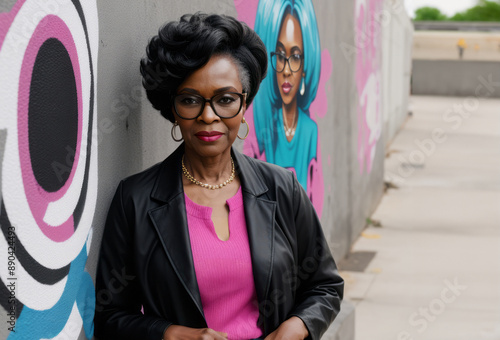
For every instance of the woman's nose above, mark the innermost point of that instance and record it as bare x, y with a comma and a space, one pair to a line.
208, 115
287, 71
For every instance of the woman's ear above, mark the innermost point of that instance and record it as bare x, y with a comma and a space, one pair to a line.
244, 107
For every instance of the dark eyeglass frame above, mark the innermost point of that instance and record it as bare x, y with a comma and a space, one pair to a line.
243, 97
286, 60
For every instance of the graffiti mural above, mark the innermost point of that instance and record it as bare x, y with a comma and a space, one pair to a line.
48, 166
368, 79
292, 98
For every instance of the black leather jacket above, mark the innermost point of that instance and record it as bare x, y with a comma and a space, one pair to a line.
146, 260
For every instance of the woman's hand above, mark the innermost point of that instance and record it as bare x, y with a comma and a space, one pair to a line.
292, 329
176, 332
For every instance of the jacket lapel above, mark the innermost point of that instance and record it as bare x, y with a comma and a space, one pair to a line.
170, 223
260, 227
259, 216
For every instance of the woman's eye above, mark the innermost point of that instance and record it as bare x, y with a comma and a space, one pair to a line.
226, 100
296, 57
280, 57
189, 101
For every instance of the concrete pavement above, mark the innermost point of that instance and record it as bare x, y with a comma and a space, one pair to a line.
435, 273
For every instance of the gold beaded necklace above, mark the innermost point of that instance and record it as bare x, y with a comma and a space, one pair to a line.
205, 185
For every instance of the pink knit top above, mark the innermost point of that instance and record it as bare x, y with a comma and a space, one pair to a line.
224, 270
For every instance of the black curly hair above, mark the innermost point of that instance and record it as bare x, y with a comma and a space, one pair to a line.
182, 47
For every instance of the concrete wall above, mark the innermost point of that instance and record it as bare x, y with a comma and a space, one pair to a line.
366, 146
456, 78
58, 172
397, 39
380, 61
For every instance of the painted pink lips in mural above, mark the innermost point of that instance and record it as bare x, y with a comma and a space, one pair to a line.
287, 87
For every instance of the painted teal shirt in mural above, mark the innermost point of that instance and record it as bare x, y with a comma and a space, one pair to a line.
297, 154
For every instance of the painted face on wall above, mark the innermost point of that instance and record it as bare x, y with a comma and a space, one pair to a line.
290, 45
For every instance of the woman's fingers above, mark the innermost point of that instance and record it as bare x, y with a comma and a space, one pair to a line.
271, 336
223, 334
210, 334
176, 332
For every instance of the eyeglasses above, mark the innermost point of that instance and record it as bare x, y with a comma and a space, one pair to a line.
278, 60
225, 105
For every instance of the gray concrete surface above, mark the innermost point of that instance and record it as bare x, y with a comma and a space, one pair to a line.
6, 5
343, 326
338, 229
397, 38
436, 272
456, 78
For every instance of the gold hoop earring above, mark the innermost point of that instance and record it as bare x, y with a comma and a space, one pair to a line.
172, 132
243, 121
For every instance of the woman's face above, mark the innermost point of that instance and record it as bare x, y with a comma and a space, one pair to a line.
209, 135
289, 43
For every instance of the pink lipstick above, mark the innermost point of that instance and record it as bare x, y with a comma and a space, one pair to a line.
286, 87
209, 136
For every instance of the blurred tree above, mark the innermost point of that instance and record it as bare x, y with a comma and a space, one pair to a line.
484, 11
429, 13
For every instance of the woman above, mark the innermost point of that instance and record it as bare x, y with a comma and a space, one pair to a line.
285, 132
206, 243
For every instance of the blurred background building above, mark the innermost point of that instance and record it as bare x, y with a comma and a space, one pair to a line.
440, 68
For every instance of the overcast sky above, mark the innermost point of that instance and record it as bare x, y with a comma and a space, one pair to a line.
448, 7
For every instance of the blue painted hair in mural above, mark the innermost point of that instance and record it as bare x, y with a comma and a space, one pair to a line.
270, 15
